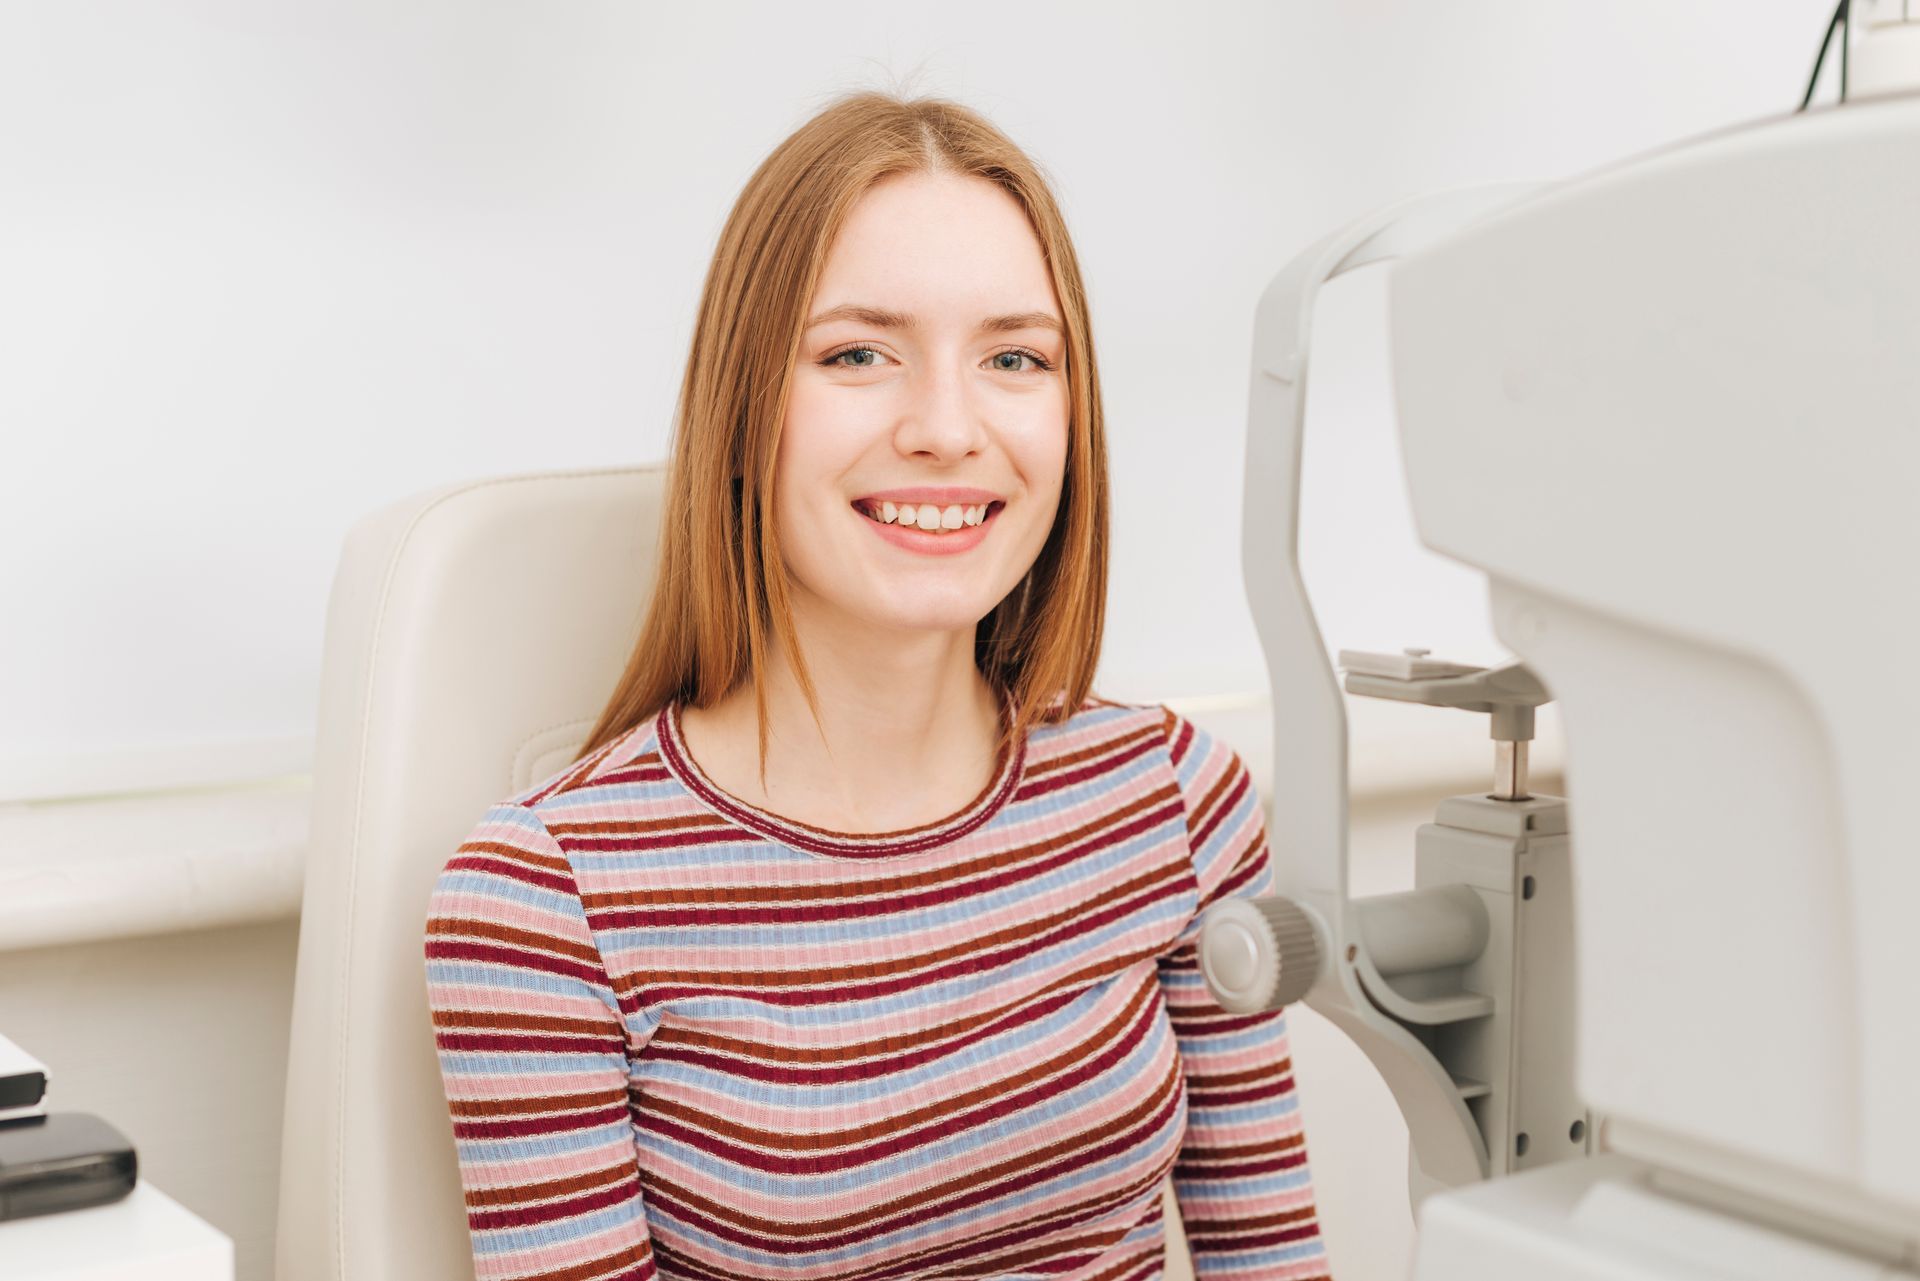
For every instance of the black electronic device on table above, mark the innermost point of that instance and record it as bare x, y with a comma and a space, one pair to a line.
53, 1161
62, 1161
23, 1082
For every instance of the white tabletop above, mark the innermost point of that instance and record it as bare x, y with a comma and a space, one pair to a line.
144, 1236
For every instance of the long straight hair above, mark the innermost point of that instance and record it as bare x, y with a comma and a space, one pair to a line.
722, 580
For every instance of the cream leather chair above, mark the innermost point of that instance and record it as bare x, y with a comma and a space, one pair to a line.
473, 635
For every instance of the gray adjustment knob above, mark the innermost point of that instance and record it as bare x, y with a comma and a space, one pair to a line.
1258, 954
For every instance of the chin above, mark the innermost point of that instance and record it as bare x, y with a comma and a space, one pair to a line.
901, 615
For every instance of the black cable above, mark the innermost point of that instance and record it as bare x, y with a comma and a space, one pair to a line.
1846, 46
1837, 22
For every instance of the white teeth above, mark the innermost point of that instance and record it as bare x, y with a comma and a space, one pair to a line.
928, 517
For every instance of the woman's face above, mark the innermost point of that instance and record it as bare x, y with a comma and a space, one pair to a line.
917, 392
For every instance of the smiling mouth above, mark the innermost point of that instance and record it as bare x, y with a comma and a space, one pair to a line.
928, 518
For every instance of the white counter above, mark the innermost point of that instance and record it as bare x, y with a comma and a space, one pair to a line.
144, 1236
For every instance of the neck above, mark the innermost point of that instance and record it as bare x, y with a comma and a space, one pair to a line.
907, 728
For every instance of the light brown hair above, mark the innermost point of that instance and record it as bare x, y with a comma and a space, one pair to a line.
722, 580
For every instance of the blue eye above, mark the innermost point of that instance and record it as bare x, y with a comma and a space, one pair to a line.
1040, 362
834, 359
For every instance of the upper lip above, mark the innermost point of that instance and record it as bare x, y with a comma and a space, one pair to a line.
941, 494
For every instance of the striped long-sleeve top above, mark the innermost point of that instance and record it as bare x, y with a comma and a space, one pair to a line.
682, 1036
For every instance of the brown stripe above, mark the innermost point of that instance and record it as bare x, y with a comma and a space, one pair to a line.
532, 1104
1252, 1222
607, 828
1198, 814
502, 1020
518, 1193
1104, 747
514, 853
625, 1260
468, 927
1196, 1152
1220, 1080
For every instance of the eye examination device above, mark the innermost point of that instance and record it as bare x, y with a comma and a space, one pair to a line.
1667, 1027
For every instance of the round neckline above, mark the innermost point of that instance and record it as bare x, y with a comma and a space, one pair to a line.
1009, 768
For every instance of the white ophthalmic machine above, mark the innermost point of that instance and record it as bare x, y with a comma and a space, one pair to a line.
1667, 1029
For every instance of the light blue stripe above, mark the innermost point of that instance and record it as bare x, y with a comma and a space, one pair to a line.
1243, 1186
510, 978
506, 889
510, 1155
558, 1232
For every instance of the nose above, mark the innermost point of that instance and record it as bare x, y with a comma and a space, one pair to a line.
942, 417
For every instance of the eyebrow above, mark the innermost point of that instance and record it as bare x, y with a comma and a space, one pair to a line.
881, 318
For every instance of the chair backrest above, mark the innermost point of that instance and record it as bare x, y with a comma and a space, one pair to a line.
473, 635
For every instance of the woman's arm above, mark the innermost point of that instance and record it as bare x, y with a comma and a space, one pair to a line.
1242, 1179
533, 1053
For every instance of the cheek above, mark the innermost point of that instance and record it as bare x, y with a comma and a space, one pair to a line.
827, 416
1041, 446
820, 437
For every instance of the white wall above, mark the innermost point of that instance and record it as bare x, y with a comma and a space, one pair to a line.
265, 265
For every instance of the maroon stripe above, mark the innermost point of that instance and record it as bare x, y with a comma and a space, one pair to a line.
1224, 1098
650, 772
674, 838
1209, 1172
1204, 1241
1067, 778
506, 869
552, 1123
1241, 877
474, 1041
1182, 740
1224, 808
447, 949
1218, 1022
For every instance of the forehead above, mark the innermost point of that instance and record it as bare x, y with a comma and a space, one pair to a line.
932, 242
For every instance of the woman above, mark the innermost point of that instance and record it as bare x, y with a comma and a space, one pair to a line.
858, 941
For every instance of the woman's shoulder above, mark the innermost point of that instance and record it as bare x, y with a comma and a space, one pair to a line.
1144, 726
1097, 707
626, 757
1194, 752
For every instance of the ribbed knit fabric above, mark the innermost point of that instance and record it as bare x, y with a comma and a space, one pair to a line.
684, 1037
